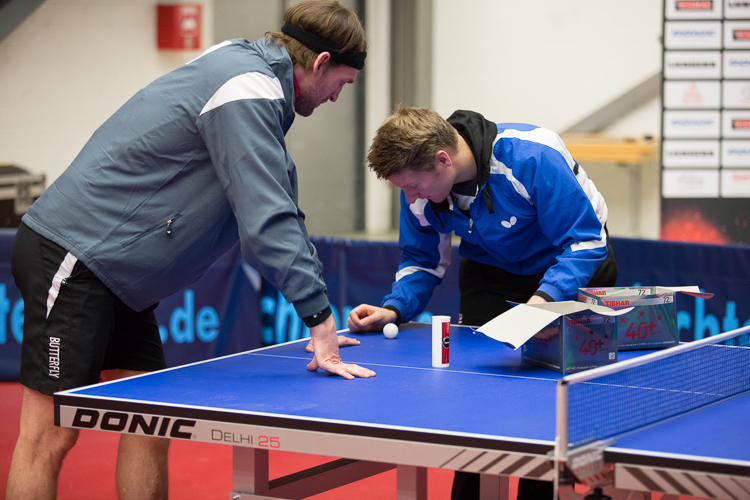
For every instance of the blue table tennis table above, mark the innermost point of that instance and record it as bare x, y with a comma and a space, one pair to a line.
487, 413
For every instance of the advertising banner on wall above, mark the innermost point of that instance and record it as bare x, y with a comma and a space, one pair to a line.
706, 121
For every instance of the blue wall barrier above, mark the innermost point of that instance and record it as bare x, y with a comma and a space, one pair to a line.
231, 309
723, 270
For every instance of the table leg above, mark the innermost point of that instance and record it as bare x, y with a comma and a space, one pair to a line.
249, 470
411, 483
494, 487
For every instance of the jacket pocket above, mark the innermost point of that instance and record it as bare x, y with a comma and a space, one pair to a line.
168, 226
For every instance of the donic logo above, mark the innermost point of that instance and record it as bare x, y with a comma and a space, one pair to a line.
133, 423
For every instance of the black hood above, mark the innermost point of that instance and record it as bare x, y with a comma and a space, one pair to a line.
479, 133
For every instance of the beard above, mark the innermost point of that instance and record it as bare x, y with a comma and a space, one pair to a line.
305, 104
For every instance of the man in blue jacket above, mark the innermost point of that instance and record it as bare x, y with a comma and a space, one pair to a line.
193, 163
531, 222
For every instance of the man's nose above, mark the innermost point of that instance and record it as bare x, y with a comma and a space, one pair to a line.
411, 196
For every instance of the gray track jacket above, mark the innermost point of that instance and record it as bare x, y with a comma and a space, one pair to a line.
191, 163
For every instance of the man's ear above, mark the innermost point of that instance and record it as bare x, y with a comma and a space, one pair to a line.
443, 159
320, 62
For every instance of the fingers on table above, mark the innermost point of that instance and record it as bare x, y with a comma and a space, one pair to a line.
344, 341
359, 371
346, 370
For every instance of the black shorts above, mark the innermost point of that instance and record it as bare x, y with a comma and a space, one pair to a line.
74, 326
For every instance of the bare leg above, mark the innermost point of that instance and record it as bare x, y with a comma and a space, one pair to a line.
142, 467
40, 450
142, 461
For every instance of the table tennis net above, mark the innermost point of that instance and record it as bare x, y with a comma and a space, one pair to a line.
641, 392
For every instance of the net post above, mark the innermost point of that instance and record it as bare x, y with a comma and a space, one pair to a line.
561, 432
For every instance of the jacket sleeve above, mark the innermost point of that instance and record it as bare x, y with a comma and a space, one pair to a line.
571, 214
425, 256
245, 139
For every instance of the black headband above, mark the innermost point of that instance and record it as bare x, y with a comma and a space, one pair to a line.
352, 58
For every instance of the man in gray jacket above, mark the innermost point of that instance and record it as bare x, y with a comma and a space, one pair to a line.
191, 164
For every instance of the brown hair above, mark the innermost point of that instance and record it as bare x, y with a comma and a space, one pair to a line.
327, 19
410, 139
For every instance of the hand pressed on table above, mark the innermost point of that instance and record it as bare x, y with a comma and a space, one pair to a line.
324, 342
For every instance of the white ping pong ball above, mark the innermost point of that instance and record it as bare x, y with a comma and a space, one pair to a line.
390, 331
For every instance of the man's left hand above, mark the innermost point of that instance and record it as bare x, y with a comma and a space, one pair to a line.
325, 344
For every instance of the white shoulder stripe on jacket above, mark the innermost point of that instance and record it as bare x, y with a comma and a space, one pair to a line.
246, 86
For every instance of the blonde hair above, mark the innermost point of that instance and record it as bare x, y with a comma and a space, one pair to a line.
410, 139
327, 19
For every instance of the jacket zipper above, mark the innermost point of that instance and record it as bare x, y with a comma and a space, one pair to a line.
170, 222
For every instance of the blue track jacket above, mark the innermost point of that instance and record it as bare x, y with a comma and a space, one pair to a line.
536, 211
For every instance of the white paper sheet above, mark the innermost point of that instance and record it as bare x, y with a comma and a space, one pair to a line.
514, 327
